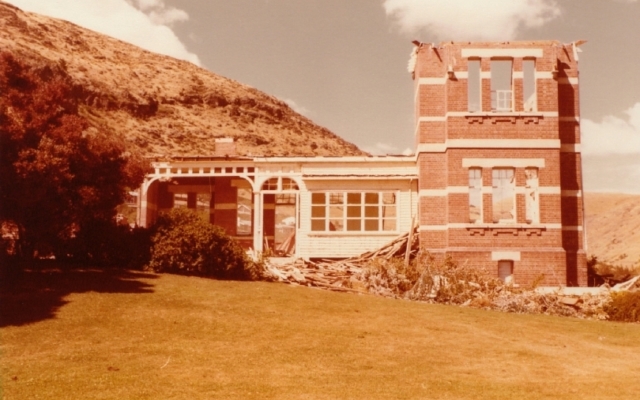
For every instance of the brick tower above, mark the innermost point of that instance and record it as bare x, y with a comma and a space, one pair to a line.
499, 165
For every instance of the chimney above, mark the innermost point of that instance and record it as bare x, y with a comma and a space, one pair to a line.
225, 147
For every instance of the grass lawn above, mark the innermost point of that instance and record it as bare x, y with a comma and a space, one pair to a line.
113, 334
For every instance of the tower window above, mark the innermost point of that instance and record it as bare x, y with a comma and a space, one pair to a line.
529, 100
501, 85
474, 86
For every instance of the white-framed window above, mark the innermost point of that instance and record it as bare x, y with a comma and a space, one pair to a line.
475, 195
474, 86
353, 211
503, 195
529, 97
502, 85
244, 224
532, 196
279, 184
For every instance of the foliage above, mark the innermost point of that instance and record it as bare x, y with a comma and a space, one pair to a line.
185, 243
599, 272
449, 282
624, 306
58, 174
106, 244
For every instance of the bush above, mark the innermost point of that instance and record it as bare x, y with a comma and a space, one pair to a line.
104, 243
624, 306
186, 244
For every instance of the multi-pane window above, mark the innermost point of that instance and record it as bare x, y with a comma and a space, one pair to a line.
353, 211
280, 184
504, 195
532, 197
475, 195
474, 86
501, 85
529, 85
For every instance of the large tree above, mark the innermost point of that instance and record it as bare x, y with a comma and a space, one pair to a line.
57, 174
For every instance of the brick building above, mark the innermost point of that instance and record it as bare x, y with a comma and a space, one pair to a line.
498, 158
495, 181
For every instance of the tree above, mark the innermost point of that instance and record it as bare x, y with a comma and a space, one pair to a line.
57, 174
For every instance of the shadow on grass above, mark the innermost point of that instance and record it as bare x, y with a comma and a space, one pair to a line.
36, 294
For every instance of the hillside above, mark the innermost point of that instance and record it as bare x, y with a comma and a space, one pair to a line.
161, 105
613, 227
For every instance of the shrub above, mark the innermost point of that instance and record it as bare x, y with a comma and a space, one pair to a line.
624, 306
185, 243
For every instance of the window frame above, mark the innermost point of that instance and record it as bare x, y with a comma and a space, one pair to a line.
499, 186
475, 184
364, 212
497, 72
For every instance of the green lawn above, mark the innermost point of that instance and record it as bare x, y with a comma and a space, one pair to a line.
130, 335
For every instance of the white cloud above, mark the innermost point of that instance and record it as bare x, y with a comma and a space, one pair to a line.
381, 149
297, 108
470, 20
613, 135
144, 23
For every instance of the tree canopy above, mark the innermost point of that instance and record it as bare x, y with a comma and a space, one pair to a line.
57, 173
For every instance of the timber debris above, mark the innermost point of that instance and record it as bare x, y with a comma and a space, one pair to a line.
399, 270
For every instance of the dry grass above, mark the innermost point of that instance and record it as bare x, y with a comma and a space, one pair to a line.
113, 335
613, 227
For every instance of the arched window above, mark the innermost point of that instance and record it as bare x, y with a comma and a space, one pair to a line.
280, 184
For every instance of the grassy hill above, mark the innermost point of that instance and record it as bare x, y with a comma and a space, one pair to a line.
95, 334
161, 105
613, 227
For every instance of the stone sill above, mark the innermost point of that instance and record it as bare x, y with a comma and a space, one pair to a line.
501, 116
503, 229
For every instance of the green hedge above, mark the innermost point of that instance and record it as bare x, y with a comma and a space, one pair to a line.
185, 243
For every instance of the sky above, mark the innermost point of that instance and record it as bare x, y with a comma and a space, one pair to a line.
343, 63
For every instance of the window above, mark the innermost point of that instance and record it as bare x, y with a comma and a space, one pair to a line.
203, 205
529, 85
504, 204
532, 197
501, 89
244, 220
353, 212
474, 86
475, 195
505, 271
180, 200
280, 184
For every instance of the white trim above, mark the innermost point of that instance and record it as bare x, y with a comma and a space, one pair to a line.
461, 74
491, 53
545, 114
485, 74
517, 74
432, 119
506, 225
571, 148
433, 192
488, 144
503, 162
543, 75
432, 81
505, 255
488, 190
572, 228
568, 81
569, 119
439, 228
571, 193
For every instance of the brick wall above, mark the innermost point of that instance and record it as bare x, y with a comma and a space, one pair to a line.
447, 135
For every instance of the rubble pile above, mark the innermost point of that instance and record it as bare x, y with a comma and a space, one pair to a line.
399, 270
